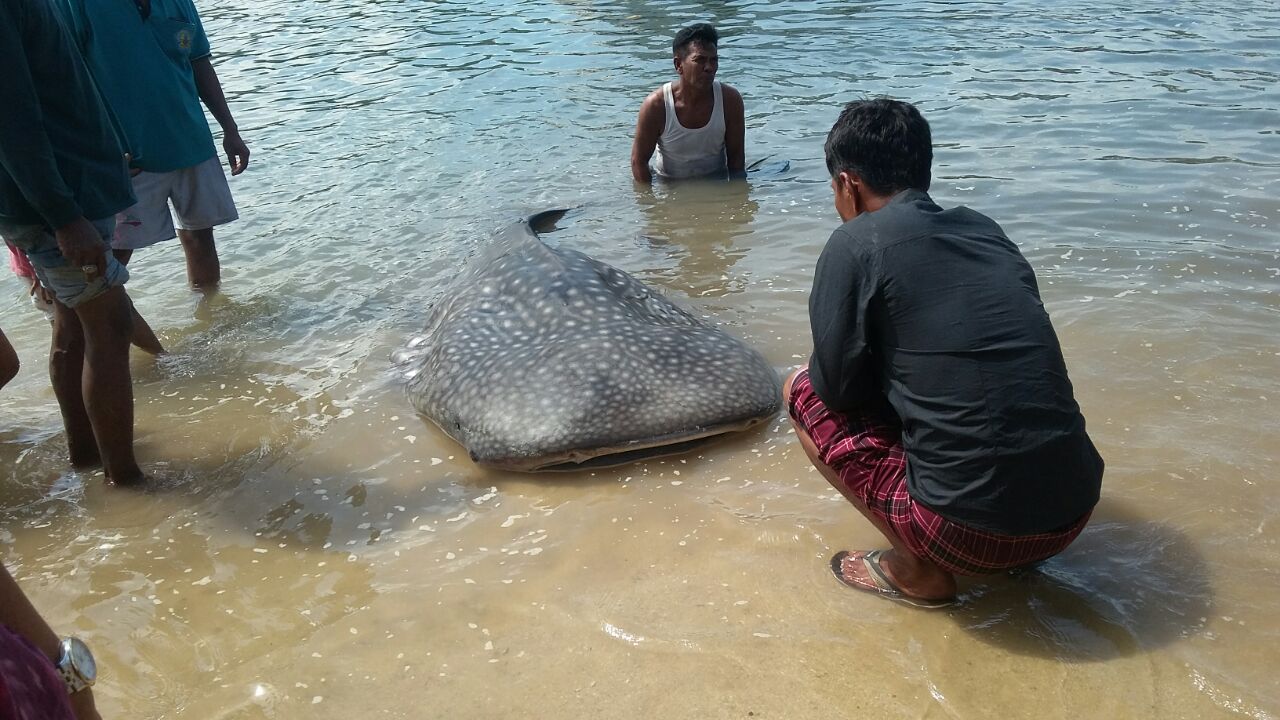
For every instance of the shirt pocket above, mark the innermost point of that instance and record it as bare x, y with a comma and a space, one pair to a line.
176, 37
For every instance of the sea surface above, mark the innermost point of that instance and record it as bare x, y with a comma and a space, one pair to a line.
311, 548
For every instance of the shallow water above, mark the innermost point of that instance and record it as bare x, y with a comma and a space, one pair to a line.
311, 548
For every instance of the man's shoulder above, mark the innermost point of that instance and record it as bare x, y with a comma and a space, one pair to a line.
871, 230
961, 219
915, 214
849, 240
872, 233
904, 230
732, 99
653, 107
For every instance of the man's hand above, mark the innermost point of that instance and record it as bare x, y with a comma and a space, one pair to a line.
82, 246
237, 151
42, 292
83, 705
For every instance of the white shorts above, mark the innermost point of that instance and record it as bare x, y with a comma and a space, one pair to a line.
200, 197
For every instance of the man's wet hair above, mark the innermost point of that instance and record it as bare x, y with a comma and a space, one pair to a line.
885, 142
700, 33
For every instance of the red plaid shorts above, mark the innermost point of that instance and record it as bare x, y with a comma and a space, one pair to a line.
866, 453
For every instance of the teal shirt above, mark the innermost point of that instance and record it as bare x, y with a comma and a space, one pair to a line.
60, 158
143, 68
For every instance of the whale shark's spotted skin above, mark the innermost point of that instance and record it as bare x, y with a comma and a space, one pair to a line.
540, 357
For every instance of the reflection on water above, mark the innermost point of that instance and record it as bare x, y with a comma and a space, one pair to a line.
696, 222
311, 548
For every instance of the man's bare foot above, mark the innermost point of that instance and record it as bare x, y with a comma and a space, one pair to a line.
885, 572
84, 458
130, 480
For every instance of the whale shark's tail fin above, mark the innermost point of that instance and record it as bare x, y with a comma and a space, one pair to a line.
766, 166
545, 221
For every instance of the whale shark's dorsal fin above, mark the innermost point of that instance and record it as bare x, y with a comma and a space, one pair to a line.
545, 221
522, 236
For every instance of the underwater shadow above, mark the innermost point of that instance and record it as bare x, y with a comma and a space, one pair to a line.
1127, 585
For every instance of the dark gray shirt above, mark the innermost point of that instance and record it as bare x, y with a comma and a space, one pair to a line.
936, 312
60, 155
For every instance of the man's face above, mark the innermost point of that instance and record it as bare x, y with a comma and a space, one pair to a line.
698, 65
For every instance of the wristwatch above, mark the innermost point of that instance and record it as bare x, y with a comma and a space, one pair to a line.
76, 665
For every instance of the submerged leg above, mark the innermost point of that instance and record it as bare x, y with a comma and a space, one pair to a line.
204, 271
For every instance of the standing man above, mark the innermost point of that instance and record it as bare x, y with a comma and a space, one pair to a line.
696, 123
62, 179
151, 60
936, 400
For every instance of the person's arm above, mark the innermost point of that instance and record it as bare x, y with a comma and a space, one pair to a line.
841, 367
211, 94
735, 131
649, 124
26, 153
19, 615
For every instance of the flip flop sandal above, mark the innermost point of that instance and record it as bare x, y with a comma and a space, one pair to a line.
883, 586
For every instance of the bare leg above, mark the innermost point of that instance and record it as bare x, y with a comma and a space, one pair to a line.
107, 385
66, 372
917, 576
203, 269
8, 361
143, 337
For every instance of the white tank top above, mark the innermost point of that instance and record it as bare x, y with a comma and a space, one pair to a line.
686, 153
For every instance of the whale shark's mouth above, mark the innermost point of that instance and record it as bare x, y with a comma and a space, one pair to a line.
594, 458
627, 456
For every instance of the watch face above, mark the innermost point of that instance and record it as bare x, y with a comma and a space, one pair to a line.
82, 660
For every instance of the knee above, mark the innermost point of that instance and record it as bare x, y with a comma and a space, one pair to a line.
66, 354
105, 322
198, 241
68, 339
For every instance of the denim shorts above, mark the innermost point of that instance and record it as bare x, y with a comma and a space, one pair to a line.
68, 282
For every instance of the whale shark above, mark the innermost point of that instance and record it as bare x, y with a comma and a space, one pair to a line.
544, 358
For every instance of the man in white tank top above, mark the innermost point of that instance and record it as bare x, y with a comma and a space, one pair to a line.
695, 124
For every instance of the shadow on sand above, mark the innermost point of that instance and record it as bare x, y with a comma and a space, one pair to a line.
1127, 585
